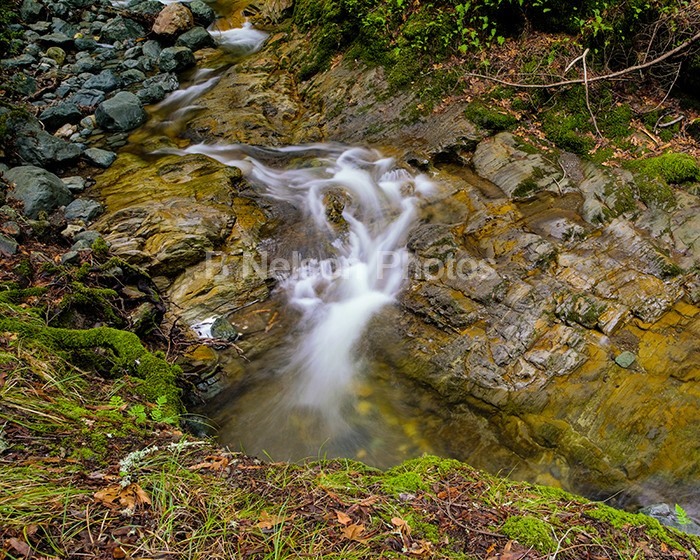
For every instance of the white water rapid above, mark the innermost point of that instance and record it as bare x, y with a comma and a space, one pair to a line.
359, 267
241, 40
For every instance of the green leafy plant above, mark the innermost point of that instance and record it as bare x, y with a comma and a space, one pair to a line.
138, 413
682, 516
159, 413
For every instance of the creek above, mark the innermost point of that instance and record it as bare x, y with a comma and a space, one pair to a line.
350, 373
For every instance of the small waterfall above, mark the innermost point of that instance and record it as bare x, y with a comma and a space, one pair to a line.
241, 40
361, 269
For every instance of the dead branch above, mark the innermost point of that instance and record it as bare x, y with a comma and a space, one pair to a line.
611, 76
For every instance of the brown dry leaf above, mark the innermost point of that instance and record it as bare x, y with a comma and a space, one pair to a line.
268, 521
118, 552
20, 546
213, 463
130, 496
420, 548
401, 525
343, 518
354, 533
368, 501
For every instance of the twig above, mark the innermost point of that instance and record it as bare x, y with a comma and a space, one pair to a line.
588, 101
684, 45
670, 123
673, 83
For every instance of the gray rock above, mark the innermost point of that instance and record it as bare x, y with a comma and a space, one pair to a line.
151, 94
12, 229
85, 44
40, 26
30, 10
26, 85
8, 246
222, 329
19, 61
626, 359
58, 115
83, 209
75, 184
668, 516
41, 148
87, 98
147, 8
132, 76
86, 65
168, 82
121, 29
131, 65
175, 59
88, 235
120, 113
203, 14
70, 257
99, 157
133, 52
58, 39
38, 189
151, 48
195, 39
104, 81
81, 245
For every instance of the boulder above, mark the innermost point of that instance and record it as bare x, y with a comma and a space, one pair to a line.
121, 29
106, 81
38, 147
195, 39
175, 59
147, 8
30, 10
203, 14
99, 157
8, 246
173, 20
58, 115
57, 54
83, 209
57, 39
87, 98
39, 190
121, 112
75, 183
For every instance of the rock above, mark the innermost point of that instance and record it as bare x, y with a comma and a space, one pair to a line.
132, 76
626, 359
222, 329
75, 184
120, 113
38, 189
8, 246
23, 84
12, 229
106, 81
85, 44
80, 245
72, 230
669, 517
147, 8
121, 29
57, 54
57, 39
175, 59
19, 61
173, 20
195, 39
30, 10
83, 209
203, 13
99, 157
86, 65
151, 49
87, 98
58, 115
71, 257
41, 148
88, 235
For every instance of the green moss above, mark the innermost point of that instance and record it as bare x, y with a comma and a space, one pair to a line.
674, 168
621, 519
525, 188
403, 482
122, 349
530, 531
655, 192
489, 119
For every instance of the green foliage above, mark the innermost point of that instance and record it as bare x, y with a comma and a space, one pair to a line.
8, 16
674, 168
160, 412
682, 516
403, 482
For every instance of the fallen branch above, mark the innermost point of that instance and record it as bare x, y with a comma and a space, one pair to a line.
684, 45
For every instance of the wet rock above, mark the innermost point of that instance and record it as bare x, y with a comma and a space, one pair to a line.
30, 10
88, 98
121, 112
38, 189
222, 329
121, 29
132, 76
173, 20
99, 157
86, 65
175, 59
41, 148
147, 8
83, 209
203, 13
155, 88
60, 114
8, 246
57, 39
626, 359
75, 184
195, 39
151, 49
106, 81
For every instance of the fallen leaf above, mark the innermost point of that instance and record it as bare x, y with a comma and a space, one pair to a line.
401, 525
211, 463
368, 501
268, 521
20, 546
420, 548
354, 533
343, 518
130, 496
